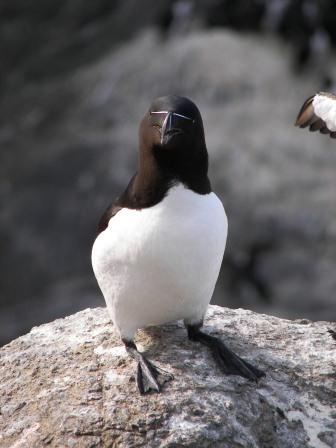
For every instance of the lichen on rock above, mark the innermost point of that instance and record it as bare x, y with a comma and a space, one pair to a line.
70, 383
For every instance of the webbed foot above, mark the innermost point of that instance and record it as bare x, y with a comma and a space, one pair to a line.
149, 376
227, 360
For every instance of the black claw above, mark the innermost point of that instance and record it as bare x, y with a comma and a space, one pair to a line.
332, 334
149, 377
229, 362
232, 364
146, 377
145, 382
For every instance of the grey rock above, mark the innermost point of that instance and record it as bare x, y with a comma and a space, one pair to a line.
70, 383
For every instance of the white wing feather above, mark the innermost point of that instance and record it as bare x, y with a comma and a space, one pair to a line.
319, 113
325, 108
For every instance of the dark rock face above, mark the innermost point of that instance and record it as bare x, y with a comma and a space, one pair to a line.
70, 383
45, 39
50, 163
68, 140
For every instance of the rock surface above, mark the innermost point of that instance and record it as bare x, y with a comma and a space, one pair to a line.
70, 383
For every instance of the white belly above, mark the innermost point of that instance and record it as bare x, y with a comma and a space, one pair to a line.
161, 264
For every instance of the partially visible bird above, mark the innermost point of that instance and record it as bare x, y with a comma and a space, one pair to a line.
319, 113
160, 245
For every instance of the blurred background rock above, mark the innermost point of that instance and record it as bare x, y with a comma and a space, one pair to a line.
76, 78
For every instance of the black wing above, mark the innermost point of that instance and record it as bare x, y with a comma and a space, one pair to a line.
125, 200
111, 211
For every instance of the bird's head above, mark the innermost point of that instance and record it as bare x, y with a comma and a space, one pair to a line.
172, 131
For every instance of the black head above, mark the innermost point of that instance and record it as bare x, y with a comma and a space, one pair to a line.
172, 133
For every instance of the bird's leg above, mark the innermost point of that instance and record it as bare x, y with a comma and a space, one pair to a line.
149, 377
228, 361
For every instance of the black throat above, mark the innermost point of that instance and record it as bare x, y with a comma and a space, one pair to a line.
157, 173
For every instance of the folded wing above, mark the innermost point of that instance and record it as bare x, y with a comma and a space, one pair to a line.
319, 113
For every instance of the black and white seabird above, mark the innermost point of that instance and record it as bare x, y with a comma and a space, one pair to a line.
319, 113
160, 245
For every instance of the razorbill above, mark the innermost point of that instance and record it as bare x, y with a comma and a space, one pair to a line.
319, 113
160, 245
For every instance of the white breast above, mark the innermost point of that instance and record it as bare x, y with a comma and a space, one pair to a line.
161, 264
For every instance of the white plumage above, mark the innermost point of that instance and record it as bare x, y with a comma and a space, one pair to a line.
160, 264
325, 108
